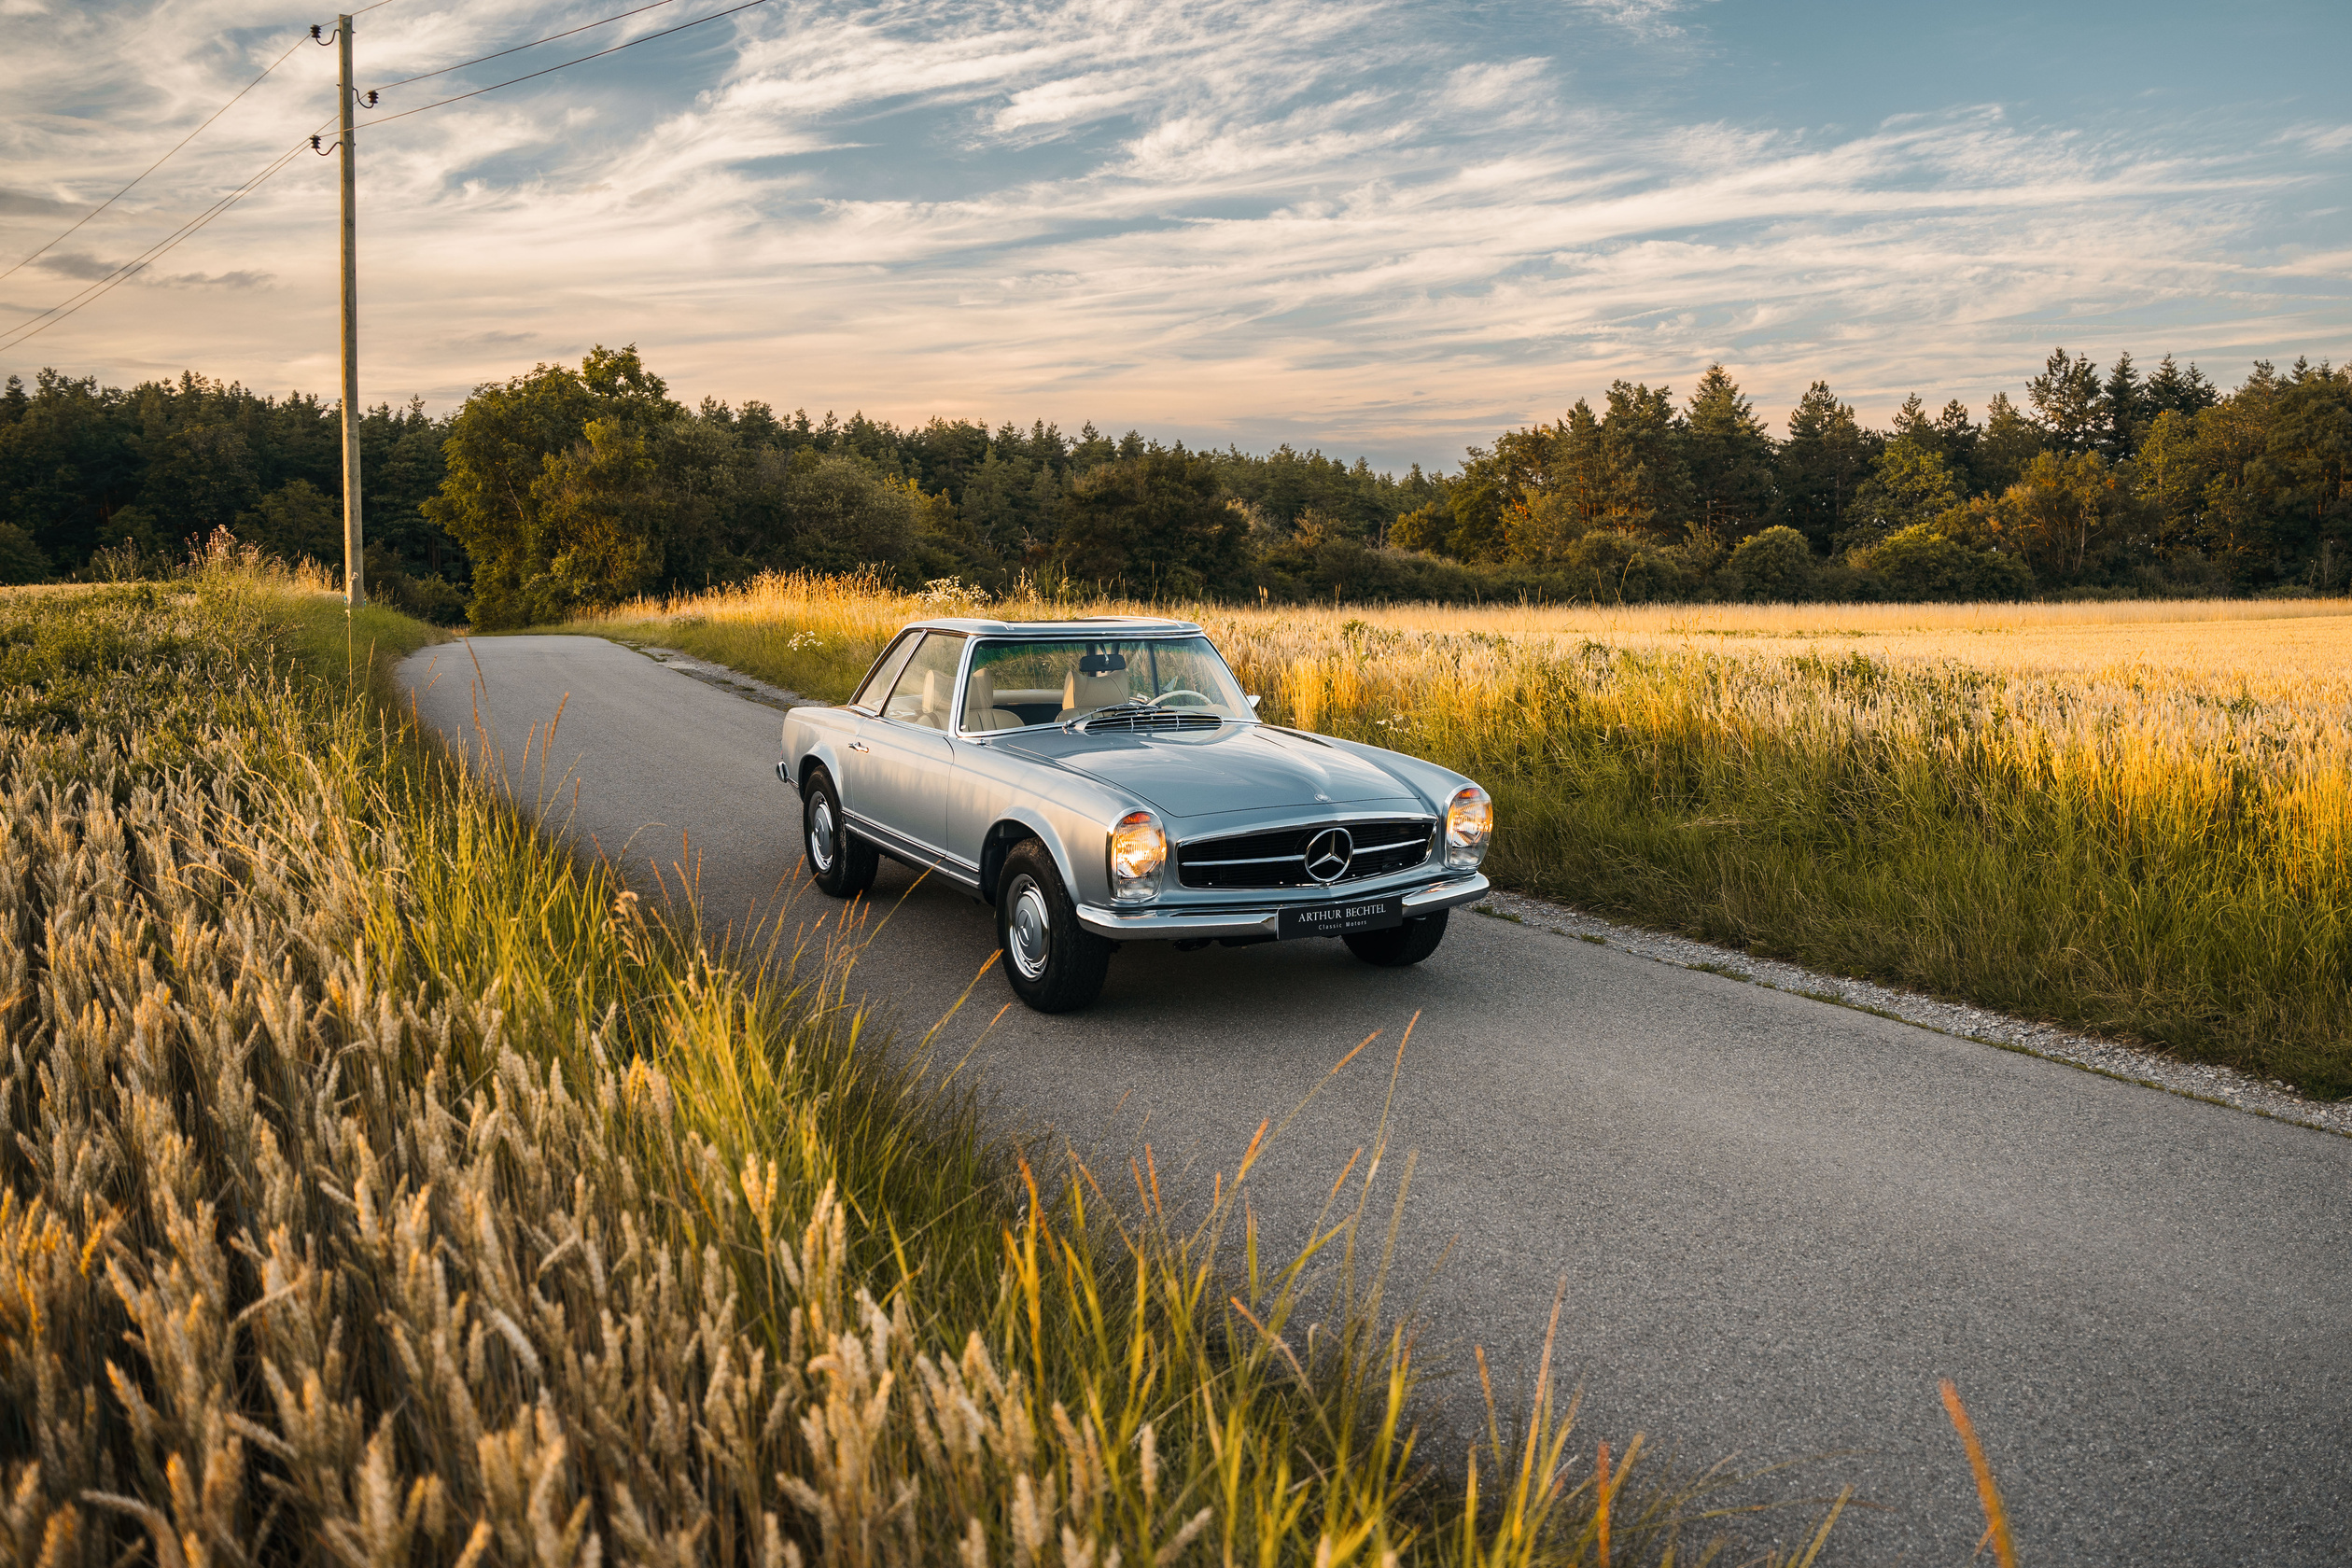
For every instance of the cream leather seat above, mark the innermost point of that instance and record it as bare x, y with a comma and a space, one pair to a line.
980, 709
1084, 693
936, 686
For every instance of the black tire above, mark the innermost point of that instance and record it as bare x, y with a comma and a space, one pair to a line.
1399, 946
1052, 963
841, 863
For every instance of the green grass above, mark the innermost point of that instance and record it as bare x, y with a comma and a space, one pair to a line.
2030, 889
381, 1183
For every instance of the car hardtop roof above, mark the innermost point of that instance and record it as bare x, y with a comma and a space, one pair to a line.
1083, 626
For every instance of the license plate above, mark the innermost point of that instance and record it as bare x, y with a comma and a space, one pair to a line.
1338, 919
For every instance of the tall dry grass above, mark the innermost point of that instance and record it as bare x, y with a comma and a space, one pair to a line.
2133, 817
382, 1186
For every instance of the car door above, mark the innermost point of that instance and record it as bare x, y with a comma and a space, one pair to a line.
904, 753
848, 764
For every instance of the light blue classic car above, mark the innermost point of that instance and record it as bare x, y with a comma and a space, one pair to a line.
1104, 782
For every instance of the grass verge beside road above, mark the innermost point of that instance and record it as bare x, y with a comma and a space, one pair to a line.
2130, 819
383, 1185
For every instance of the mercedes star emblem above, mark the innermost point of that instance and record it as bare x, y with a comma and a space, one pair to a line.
1328, 854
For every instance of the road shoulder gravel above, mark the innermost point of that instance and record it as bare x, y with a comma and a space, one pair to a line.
2136, 1064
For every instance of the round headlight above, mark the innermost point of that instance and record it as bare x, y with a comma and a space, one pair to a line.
1138, 850
1469, 825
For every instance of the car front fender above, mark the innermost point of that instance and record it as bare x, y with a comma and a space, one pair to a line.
1433, 783
814, 737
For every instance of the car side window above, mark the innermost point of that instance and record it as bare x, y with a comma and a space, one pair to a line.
886, 672
925, 693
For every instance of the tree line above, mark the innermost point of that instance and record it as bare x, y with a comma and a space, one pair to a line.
571, 487
2111, 481
113, 482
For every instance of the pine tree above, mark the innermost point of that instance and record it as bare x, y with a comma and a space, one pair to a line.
1911, 420
2067, 402
1819, 465
1955, 437
1730, 458
2010, 442
2123, 410
1642, 444
2174, 390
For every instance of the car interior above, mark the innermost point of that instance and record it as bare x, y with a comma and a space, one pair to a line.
988, 709
1089, 681
1015, 685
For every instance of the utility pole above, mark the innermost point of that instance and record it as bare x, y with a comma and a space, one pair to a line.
355, 551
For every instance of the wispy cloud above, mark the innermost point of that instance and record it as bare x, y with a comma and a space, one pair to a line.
1647, 18
1244, 220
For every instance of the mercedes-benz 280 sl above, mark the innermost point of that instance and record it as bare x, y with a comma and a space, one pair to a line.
1106, 780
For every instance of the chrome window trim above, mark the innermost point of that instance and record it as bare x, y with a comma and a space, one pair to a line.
963, 661
917, 634
973, 642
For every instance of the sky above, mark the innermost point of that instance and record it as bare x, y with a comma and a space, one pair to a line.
1378, 228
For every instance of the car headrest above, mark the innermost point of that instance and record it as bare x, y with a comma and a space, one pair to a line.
979, 698
935, 686
1084, 693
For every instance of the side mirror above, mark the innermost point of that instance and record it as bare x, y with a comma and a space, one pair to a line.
1254, 702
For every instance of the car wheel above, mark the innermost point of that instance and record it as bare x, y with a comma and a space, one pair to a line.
1053, 963
842, 863
1399, 946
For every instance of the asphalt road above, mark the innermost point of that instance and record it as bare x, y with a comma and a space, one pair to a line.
1780, 1222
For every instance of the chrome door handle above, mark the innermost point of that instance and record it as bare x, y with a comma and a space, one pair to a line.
860, 746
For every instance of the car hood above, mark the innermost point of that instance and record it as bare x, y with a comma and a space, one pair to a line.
1248, 767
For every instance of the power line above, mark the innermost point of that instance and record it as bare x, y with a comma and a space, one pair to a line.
167, 156
91, 292
585, 27
616, 49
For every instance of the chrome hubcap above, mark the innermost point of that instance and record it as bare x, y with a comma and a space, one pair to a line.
820, 833
1028, 937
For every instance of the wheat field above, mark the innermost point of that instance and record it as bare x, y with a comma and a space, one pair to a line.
2130, 818
382, 1185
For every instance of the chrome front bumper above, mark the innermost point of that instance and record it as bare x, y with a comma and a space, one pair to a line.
1151, 925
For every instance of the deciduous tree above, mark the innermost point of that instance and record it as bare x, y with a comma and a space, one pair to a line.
1908, 485
498, 449
1154, 524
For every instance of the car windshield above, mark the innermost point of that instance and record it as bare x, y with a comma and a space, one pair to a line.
1013, 684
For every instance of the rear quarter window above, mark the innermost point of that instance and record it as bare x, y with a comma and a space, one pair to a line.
885, 673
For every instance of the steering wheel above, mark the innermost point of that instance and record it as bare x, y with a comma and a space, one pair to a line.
1198, 699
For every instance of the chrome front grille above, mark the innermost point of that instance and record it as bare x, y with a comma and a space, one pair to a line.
1278, 859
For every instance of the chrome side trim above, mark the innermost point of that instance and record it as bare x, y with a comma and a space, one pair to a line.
910, 852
